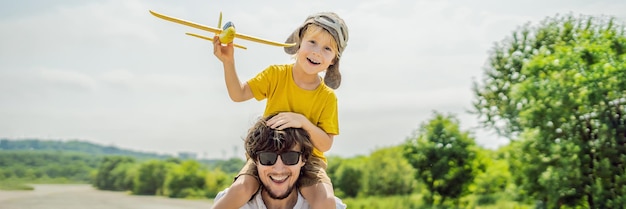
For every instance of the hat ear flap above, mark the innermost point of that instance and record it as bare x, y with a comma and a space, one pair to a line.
332, 78
293, 38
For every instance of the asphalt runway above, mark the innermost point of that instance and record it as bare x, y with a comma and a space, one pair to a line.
81, 196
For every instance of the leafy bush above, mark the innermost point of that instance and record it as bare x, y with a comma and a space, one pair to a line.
216, 181
187, 175
387, 172
150, 177
112, 174
487, 199
347, 176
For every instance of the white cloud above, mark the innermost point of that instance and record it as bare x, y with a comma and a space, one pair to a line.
174, 84
68, 80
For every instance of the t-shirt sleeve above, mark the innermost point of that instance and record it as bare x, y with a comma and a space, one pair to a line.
339, 204
260, 84
303, 204
220, 195
248, 205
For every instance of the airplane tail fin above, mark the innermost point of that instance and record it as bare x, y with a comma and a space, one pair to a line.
219, 23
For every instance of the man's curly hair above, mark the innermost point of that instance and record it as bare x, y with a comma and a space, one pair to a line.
264, 138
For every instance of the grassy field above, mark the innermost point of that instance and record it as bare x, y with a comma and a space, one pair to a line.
14, 185
24, 184
397, 202
415, 202
80, 196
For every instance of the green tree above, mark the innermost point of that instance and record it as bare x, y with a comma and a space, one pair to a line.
560, 87
216, 181
347, 175
516, 162
74, 167
443, 157
185, 180
492, 176
386, 172
123, 175
111, 173
232, 165
74, 146
150, 177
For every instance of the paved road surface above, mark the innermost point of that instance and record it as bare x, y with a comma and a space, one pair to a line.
81, 196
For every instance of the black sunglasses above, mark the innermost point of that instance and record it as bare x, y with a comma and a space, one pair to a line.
288, 158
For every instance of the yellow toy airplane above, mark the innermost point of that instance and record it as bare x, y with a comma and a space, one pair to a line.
226, 35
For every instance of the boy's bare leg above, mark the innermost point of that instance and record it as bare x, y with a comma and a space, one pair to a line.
239, 193
319, 196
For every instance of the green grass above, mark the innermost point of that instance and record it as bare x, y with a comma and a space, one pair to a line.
506, 205
396, 202
496, 201
24, 184
14, 185
415, 201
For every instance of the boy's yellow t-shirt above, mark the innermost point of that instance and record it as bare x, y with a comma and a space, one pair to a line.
276, 85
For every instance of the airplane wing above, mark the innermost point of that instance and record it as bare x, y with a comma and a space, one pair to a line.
217, 30
211, 39
263, 41
187, 23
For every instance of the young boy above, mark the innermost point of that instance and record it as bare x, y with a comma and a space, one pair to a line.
300, 98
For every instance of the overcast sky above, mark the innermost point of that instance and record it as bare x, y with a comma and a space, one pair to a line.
108, 72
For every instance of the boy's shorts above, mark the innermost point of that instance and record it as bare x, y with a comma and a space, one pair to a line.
312, 173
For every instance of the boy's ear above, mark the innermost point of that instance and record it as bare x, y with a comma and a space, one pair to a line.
293, 38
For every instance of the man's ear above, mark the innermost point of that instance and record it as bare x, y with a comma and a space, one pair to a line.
303, 162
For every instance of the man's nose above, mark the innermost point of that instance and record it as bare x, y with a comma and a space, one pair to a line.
279, 163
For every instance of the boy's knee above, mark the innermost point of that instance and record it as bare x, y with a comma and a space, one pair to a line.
245, 185
320, 195
324, 202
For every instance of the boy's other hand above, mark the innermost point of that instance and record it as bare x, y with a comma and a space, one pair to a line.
287, 120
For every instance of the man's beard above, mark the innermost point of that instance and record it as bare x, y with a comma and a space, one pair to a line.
275, 196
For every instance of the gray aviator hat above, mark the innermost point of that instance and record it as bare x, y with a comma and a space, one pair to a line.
332, 23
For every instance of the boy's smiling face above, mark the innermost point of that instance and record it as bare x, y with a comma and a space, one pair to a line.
318, 50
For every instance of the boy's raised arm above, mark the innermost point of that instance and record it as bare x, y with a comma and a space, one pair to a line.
237, 91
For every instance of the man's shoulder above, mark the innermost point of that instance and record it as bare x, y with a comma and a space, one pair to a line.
252, 204
302, 203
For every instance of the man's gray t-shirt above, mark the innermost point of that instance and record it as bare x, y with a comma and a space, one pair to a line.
257, 202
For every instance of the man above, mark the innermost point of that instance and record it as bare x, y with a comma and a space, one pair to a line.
280, 157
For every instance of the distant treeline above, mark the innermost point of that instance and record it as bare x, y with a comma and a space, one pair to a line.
42, 165
74, 146
76, 161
